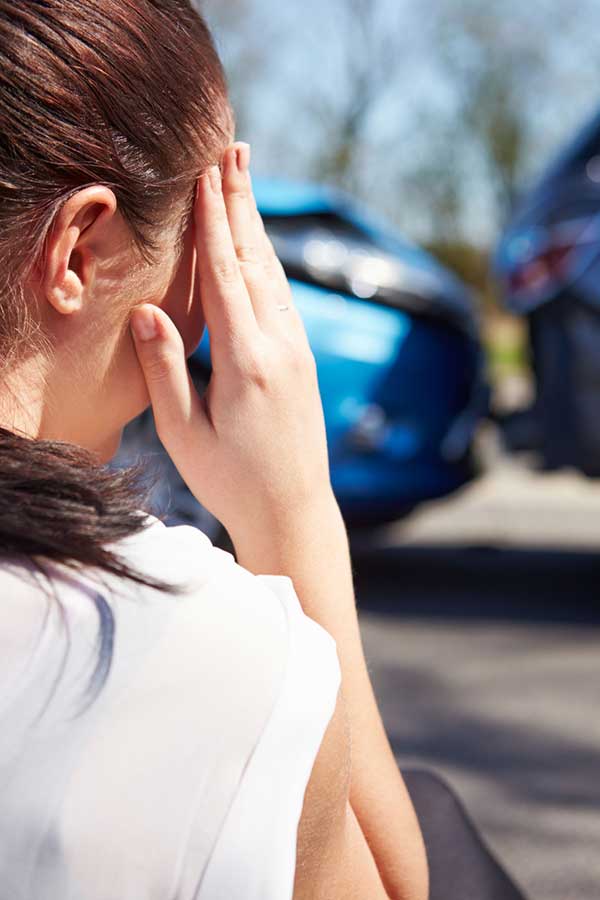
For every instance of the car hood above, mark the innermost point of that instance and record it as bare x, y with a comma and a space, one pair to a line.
413, 280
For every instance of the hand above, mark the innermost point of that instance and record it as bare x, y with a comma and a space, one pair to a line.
253, 449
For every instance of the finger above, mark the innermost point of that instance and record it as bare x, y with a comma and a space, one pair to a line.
263, 273
245, 231
178, 410
273, 266
225, 300
267, 250
239, 202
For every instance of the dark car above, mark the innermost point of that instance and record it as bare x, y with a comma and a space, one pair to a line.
395, 339
548, 265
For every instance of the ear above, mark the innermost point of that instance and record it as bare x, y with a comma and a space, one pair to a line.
78, 237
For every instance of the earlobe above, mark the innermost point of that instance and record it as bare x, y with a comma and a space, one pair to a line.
67, 298
63, 276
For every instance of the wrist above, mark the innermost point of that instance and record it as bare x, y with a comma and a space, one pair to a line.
279, 541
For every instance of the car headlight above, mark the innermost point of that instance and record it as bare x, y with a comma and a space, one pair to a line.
348, 262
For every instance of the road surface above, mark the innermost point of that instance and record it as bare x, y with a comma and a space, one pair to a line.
481, 623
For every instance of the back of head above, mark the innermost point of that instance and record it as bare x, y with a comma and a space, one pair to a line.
124, 93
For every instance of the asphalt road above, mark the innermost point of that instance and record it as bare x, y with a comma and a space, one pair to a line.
481, 624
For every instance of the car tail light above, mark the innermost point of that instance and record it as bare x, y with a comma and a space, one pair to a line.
542, 260
538, 273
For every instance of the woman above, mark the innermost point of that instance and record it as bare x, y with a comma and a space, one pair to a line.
172, 723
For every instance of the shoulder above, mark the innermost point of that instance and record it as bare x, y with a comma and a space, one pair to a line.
241, 637
215, 586
225, 600
201, 741
224, 628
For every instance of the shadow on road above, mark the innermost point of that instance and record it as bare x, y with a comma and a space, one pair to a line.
536, 762
485, 665
484, 583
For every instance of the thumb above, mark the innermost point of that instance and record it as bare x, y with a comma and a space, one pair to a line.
178, 411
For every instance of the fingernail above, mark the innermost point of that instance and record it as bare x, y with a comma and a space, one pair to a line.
143, 323
214, 176
242, 153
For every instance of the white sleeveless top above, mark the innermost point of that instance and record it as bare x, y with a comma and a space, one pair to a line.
184, 778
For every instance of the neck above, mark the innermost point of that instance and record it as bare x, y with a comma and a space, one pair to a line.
30, 406
22, 398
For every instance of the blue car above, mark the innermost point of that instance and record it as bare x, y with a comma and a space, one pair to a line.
395, 338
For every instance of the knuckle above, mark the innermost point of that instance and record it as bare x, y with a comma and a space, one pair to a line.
240, 192
259, 377
158, 368
255, 371
291, 354
247, 254
226, 271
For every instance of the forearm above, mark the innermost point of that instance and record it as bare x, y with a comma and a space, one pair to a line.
312, 549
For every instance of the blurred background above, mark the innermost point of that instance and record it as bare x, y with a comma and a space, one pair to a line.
430, 177
436, 118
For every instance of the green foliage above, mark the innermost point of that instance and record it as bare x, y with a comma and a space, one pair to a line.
469, 262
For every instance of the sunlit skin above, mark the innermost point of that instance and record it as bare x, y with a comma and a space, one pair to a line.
253, 450
89, 384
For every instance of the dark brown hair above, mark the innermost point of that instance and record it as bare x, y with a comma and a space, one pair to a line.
125, 93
